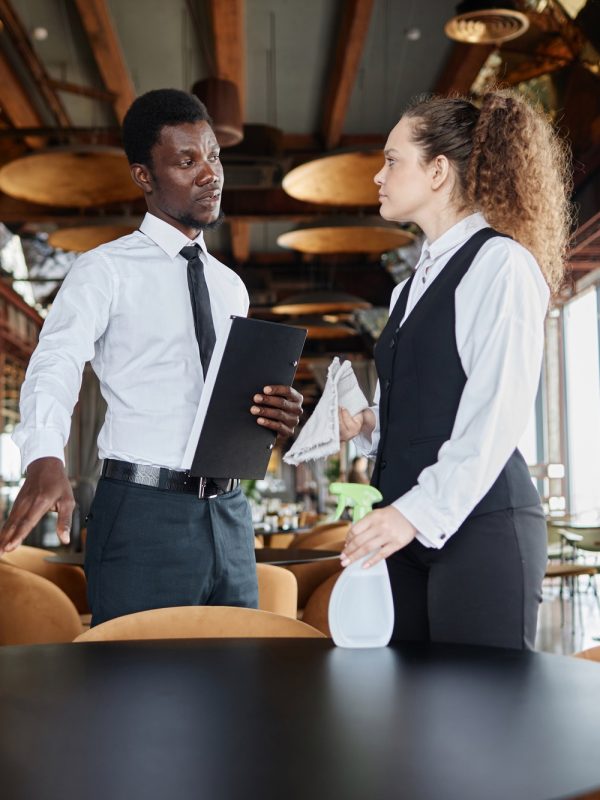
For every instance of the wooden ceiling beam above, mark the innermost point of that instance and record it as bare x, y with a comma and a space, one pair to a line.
16, 103
351, 40
22, 43
462, 67
229, 40
108, 53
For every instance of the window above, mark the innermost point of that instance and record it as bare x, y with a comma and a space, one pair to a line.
582, 401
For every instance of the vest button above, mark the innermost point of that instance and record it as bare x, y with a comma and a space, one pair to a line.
383, 464
393, 343
388, 383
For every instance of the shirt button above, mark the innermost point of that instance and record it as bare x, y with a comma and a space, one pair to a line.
442, 536
424, 279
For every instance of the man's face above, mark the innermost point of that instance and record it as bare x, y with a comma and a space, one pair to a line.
186, 177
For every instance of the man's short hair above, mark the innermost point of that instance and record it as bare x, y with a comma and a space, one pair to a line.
149, 114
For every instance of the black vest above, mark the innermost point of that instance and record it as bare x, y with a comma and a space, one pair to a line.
421, 380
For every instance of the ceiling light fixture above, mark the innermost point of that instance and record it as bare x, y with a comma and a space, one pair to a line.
478, 22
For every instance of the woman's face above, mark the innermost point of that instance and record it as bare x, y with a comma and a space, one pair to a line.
405, 189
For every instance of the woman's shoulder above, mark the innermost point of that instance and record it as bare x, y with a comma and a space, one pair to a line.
506, 261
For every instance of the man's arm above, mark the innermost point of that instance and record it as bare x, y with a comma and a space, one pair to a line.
78, 317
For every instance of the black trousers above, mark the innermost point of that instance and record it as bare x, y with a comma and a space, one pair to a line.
483, 587
151, 548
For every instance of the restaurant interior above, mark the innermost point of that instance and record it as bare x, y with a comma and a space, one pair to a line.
302, 96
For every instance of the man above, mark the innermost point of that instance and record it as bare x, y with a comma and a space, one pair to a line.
146, 310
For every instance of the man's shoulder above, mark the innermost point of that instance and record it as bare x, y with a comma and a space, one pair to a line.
117, 247
225, 272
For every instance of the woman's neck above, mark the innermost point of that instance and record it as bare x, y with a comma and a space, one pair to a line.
436, 224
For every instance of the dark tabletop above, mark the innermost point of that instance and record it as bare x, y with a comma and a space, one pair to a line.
291, 719
264, 555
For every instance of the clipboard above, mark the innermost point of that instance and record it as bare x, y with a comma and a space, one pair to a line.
226, 441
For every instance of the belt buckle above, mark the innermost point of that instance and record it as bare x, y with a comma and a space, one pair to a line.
202, 490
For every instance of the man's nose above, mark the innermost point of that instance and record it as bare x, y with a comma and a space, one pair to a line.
207, 174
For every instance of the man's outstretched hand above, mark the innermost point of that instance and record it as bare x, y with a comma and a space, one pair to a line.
278, 408
46, 488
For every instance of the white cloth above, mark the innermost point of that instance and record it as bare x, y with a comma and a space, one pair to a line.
125, 306
500, 308
320, 436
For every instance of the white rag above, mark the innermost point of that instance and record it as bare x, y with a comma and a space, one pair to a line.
320, 437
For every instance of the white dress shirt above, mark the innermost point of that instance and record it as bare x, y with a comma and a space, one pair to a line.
500, 307
126, 307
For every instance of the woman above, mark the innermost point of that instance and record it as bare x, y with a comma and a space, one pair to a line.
458, 363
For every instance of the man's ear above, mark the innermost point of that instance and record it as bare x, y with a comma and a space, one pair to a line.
142, 177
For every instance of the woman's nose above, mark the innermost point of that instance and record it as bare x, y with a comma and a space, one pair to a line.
378, 178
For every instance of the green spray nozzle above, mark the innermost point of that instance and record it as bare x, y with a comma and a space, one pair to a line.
357, 496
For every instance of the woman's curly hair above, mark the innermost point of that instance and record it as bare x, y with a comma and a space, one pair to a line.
510, 164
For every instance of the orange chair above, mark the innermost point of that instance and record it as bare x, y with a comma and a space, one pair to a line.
33, 610
591, 654
199, 622
320, 535
277, 590
70, 579
311, 575
316, 610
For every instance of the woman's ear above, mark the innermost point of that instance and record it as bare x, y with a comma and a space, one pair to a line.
440, 172
141, 176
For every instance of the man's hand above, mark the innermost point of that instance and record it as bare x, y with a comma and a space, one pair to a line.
46, 488
384, 531
280, 409
350, 426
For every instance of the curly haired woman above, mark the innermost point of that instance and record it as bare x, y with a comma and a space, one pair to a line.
461, 524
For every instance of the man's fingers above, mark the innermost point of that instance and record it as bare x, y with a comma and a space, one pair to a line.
65, 508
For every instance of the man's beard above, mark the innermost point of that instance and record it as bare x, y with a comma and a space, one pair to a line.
191, 222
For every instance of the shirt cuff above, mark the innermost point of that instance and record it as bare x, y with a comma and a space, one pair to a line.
430, 530
42, 444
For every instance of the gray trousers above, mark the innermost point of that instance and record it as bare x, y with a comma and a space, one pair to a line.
483, 587
151, 548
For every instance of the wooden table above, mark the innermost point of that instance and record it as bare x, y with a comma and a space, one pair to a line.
230, 719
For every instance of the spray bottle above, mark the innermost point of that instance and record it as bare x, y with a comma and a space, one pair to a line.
361, 609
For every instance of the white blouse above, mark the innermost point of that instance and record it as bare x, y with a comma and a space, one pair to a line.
500, 308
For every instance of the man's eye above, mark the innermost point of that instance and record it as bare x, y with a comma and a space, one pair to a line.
215, 157
187, 163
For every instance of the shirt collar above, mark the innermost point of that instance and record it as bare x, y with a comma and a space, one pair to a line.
454, 236
167, 237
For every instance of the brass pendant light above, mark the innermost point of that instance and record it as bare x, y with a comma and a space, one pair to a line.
479, 22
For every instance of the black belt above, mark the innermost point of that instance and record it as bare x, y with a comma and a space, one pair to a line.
171, 479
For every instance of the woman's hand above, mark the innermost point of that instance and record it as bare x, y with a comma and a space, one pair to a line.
384, 530
351, 426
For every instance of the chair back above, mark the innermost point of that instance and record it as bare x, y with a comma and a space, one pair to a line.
591, 654
277, 590
316, 610
311, 575
70, 579
321, 535
33, 610
199, 622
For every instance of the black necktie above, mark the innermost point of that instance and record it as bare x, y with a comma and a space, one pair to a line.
203, 321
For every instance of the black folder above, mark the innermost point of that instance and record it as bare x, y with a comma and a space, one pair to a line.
255, 354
